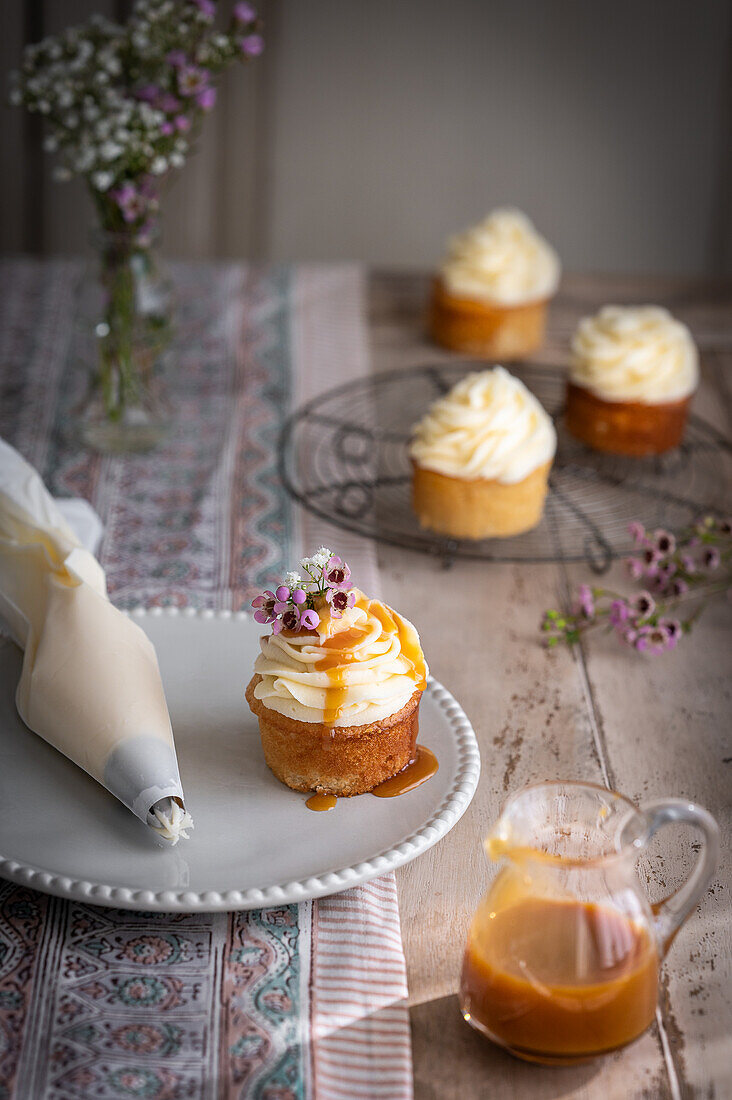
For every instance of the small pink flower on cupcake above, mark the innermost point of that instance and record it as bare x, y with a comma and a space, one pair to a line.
300, 601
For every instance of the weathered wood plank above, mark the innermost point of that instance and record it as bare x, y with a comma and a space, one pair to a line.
541, 716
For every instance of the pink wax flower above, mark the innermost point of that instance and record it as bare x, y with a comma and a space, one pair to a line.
585, 604
191, 80
619, 612
339, 601
643, 604
167, 129
711, 558
291, 619
182, 123
252, 45
176, 58
168, 103
131, 203
664, 542
673, 631
337, 574
634, 568
637, 532
244, 12
265, 604
148, 93
309, 619
206, 7
652, 639
206, 99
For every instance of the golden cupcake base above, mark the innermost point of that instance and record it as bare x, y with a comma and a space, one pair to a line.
479, 508
492, 331
625, 427
343, 760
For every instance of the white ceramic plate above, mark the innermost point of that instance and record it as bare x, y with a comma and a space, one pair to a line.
255, 843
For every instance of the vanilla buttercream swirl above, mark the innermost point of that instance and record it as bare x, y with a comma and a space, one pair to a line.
634, 354
356, 670
503, 260
488, 426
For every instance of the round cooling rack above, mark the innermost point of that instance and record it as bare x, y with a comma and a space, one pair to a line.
344, 457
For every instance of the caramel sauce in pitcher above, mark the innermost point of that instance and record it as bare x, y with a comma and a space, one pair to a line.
559, 981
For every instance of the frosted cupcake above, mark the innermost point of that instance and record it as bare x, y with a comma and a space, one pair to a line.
481, 458
338, 682
490, 296
632, 375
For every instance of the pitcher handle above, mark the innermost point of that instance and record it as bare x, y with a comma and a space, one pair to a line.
671, 913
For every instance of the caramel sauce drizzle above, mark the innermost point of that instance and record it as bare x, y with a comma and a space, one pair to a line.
340, 652
417, 772
321, 802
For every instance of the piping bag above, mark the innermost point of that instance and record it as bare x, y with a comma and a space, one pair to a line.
90, 684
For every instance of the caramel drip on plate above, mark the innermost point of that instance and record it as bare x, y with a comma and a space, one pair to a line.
321, 802
417, 772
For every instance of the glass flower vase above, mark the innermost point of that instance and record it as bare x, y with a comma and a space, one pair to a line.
125, 314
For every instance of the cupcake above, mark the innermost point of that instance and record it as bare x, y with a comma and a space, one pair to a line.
490, 296
632, 375
337, 684
481, 458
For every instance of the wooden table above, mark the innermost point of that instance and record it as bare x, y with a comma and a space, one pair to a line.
642, 726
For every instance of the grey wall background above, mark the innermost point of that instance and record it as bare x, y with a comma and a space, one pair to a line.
372, 130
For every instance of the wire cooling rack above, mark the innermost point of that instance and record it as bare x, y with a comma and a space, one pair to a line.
344, 457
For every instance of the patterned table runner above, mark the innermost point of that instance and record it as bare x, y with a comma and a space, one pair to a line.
296, 1003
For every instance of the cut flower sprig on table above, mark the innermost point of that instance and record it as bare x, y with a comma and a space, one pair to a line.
122, 106
674, 571
298, 603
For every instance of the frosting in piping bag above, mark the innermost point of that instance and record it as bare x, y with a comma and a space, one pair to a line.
90, 683
355, 670
488, 426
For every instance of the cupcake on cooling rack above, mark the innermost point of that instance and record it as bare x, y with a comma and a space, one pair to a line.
632, 375
338, 682
490, 296
481, 458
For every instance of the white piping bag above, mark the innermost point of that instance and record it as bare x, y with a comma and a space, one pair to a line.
90, 683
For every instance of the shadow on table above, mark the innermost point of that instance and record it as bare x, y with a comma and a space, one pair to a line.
452, 1060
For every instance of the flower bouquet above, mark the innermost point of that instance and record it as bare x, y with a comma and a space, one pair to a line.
123, 105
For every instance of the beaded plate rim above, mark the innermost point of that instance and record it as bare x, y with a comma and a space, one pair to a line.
448, 813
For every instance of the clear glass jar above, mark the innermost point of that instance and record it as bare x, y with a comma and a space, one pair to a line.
124, 340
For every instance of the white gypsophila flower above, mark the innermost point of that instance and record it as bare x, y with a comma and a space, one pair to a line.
61, 173
86, 159
50, 144
110, 150
158, 166
16, 97
71, 120
102, 180
44, 107
323, 556
292, 579
65, 97
177, 160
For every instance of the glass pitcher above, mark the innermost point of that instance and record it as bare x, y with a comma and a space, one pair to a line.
563, 952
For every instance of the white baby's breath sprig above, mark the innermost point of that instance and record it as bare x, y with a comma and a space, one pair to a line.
117, 98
